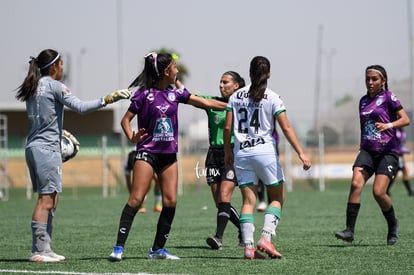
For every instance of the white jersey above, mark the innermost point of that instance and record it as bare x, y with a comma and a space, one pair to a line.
254, 122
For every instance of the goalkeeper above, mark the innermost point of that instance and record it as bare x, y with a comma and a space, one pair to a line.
45, 97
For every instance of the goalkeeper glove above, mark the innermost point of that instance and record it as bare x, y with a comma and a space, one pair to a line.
117, 95
72, 138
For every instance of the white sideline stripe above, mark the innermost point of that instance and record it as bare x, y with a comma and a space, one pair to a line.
67, 272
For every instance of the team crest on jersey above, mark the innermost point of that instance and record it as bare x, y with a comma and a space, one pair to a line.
216, 119
379, 101
171, 96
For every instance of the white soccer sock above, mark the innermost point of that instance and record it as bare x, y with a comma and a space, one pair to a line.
269, 226
247, 230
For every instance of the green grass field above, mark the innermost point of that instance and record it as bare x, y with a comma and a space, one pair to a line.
85, 228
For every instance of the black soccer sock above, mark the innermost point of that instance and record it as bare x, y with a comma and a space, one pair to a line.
390, 217
234, 217
261, 191
351, 215
163, 227
408, 187
127, 217
223, 216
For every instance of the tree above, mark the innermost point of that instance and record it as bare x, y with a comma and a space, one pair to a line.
183, 71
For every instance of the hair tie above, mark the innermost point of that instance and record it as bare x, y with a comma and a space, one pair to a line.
32, 59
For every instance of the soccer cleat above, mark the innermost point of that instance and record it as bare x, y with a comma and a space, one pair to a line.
117, 253
162, 253
43, 257
142, 210
54, 255
392, 236
214, 242
261, 207
268, 248
345, 235
251, 254
157, 208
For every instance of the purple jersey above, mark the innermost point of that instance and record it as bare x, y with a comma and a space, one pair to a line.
382, 108
401, 137
157, 112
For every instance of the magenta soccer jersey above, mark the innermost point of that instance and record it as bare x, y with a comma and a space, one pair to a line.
381, 108
157, 112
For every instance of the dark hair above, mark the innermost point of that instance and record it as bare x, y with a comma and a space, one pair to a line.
236, 77
383, 73
155, 64
259, 71
38, 67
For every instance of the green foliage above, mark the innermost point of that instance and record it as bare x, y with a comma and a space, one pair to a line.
183, 71
85, 228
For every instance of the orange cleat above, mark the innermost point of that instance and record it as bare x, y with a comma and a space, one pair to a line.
142, 210
157, 208
252, 254
268, 248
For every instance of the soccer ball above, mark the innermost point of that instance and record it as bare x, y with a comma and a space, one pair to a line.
68, 148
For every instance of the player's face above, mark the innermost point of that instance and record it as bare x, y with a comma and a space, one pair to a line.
171, 72
58, 69
374, 82
227, 86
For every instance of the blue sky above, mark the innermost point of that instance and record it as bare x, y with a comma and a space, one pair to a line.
106, 41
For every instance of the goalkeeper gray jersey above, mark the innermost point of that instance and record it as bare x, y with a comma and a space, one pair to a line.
45, 112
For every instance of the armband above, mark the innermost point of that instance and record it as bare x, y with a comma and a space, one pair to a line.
390, 126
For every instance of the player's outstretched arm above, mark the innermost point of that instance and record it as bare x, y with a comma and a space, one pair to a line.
115, 96
207, 103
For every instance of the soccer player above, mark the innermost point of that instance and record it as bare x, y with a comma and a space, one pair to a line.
221, 179
128, 167
45, 98
380, 113
402, 136
252, 112
155, 103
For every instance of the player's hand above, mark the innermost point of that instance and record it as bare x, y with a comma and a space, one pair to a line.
72, 138
117, 95
138, 137
228, 159
306, 162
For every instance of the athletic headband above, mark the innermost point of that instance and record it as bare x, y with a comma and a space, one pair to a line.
50, 63
378, 71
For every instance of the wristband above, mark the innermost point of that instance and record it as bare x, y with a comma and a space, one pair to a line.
389, 125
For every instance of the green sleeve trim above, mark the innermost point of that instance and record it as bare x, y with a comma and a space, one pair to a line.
279, 112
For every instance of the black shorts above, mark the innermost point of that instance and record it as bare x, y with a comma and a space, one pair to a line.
157, 161
378, 163
131, 160
215, 168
